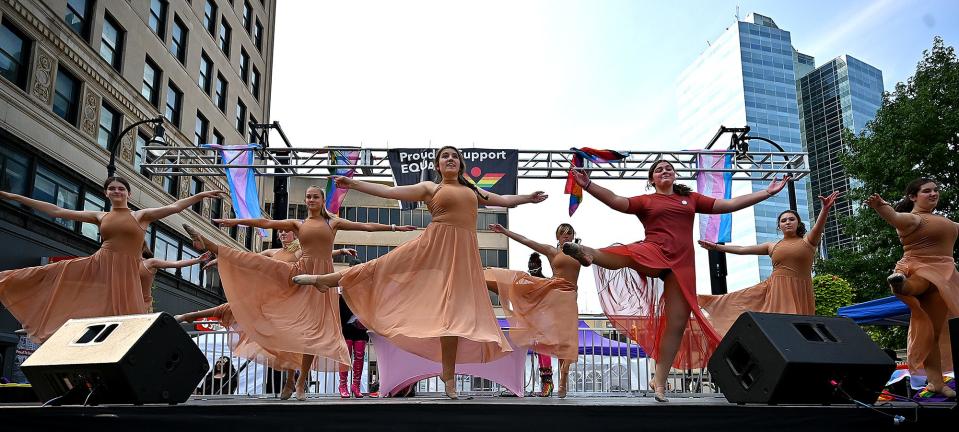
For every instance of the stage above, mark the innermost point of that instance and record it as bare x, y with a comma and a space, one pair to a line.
482, 413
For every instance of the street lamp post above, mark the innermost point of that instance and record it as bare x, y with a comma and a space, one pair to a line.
158, 132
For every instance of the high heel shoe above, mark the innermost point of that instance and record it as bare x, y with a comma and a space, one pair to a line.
659, 393
547, 389
355, 389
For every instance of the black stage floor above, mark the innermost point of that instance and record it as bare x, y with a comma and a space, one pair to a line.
487, 414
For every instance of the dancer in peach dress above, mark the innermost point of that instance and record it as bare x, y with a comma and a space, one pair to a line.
658, 322
103, 284
242, 345
788, 289
542, 312
275, 313
148, 272
926, 278
428, 296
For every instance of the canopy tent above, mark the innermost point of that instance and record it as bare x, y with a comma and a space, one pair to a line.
886, 311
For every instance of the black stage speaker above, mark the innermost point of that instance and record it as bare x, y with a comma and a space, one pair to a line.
954, 340
136, 359
798, 359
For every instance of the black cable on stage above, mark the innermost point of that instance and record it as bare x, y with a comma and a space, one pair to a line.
896, 418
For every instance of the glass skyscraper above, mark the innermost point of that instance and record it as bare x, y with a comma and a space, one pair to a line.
842, 93
748, 77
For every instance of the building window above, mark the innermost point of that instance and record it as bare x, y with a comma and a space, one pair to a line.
53, 188
234, 230
216, 208
14, 168
14, 54
249, 238
77, 16
191, 274
206, 73
92, 202
167, 248
240, 117
247, 16
224, 38
219, 97
200, 129
196, 186
253, 138
217, 137
66, 96
209, 16
244, 65
258, 35
255, 83
174, 101
157, 21
171, 185
109, 125
111, 42
178, 40
151, 81
139, 154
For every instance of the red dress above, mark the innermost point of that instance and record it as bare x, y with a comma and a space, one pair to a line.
634, 302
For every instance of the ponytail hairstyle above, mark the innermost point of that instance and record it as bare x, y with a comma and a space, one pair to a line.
323, 211
146, 253
678, 189
800, 228
905, 205
459, 177
538, 271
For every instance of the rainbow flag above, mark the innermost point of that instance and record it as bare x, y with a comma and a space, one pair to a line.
335, 195
487, 181
572, 189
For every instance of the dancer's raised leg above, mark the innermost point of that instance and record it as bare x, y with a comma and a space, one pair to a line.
200, 242
321, 282
448, 346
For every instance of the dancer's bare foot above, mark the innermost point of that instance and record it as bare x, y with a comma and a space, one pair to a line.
450, 387
199, 243
576, 251
311, 280
944, 390
896, 282
287, 388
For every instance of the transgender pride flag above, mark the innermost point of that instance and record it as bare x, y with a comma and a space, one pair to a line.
716, 228
243, 192
335, 195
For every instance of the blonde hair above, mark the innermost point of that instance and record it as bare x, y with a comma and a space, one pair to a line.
323, 211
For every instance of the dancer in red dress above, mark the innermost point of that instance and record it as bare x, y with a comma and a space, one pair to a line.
428, 296
103, 284
926, 279
658, 322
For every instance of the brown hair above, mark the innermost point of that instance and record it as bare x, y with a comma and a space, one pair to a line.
323, 211
905, 205
800, 229
678, 189
146, 252
459, 177
121, 180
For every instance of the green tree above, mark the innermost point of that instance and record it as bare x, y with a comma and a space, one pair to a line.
915, 134
832, 292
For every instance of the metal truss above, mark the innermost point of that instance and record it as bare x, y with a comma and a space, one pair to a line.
533, 164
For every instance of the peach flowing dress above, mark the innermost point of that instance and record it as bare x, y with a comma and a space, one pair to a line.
788, 289
106, 283
431, 286
275, 313
928, 254
634, 302
542, 312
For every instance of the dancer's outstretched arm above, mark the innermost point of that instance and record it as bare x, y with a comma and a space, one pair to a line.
743, 201
605, 196
815, 234
344, 251
421, 191
280, 224
510, 201
348, 225
53, 210
156, 263
544, 249
904, 222
193, 316
760, 249
152, 214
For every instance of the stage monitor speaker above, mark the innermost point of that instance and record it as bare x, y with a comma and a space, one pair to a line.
954, 340
138, 359
798, 359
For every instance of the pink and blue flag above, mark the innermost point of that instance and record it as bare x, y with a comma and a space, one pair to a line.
335, 195
242, 181
716, 228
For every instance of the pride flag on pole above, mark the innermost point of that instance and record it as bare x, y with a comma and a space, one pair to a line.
716, 228
574, 191
335, 195
242, 181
